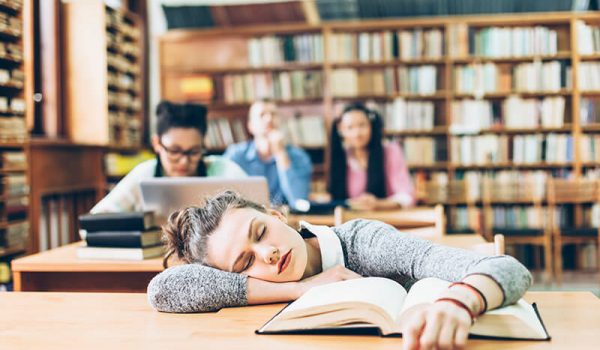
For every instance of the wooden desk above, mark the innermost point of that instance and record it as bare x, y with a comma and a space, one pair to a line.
104, 321
60, 270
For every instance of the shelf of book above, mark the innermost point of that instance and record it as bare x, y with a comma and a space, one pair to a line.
14, 188
108, 109
9, 252
408, 68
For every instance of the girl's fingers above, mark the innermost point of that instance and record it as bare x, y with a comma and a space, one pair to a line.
431, 333
447, 336
412, 332
461, 336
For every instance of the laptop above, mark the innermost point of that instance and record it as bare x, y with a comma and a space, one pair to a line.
163, 195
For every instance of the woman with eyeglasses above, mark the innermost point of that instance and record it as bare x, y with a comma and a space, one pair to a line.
179, 152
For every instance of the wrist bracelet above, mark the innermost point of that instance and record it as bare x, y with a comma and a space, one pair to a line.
474, 290
461, 305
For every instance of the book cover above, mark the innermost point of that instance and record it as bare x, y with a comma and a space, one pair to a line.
379, 303
124, 239
105, 253
126, 221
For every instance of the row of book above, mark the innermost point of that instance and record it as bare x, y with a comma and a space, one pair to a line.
424, 150
12, 129
122, 64
404, 44
14, 185
589, 148
222, 132
293, 85
492, 149
347, 82
11, 51
13, 105
463, 219
588, 38
480, 79
15, 235
589, 111
10, 24
121, 81
125, 100
121, 236
513, 41
471, 116
386, 45
299, 130
117, 20
589, 76
403, 115
13, 78
12, 160
469, 185
274, 50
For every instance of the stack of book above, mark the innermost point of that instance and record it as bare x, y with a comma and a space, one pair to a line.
120, 236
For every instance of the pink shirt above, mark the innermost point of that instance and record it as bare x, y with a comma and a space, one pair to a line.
398, 185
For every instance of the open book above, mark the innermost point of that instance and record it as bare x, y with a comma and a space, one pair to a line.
378, 303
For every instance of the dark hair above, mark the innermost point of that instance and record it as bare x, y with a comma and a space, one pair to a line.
337, 165
187, 230
180, 115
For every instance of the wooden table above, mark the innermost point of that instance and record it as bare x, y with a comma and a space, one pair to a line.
60, 270
105, 321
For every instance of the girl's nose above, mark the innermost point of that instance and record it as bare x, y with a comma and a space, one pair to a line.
272, 256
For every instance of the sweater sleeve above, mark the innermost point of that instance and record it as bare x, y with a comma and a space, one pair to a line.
373, 248
196, 288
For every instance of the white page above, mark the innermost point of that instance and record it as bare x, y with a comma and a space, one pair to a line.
383, 292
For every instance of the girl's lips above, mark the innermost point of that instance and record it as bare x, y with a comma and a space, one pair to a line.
285, 261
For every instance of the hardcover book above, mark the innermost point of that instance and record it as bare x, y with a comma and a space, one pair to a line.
377, 304
126, 221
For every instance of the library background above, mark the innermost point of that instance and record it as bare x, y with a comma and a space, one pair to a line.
496, 105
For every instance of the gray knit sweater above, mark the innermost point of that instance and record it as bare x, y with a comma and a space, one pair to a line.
371, 248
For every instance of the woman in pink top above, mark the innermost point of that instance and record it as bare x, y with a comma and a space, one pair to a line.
363, 168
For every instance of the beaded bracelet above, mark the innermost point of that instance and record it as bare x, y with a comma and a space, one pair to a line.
461, 305
474, 290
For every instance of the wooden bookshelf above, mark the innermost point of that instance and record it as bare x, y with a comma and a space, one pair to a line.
14, 174
104, 95
177, 57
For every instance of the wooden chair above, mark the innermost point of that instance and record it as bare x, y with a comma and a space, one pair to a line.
576, 193
421, 221
497, 247
525, 192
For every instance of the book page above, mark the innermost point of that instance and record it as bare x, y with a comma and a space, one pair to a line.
426, 290
383, 292
514, 321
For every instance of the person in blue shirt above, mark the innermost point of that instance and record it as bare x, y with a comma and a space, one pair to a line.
288, 169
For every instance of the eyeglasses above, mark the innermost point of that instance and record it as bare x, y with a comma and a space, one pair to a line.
174, 155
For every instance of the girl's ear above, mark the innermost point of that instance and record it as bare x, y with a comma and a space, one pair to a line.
155, 143
276, 213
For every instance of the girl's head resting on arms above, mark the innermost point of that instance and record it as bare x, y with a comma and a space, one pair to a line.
179, 140
233, 234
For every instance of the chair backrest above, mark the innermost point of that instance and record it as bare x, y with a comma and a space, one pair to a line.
428, 220
497, 247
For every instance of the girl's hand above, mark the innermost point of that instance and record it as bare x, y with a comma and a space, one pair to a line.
441, 325
365, 201
334, 274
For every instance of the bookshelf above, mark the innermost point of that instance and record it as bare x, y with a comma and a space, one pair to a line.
447, 87
104, 96
14, 181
